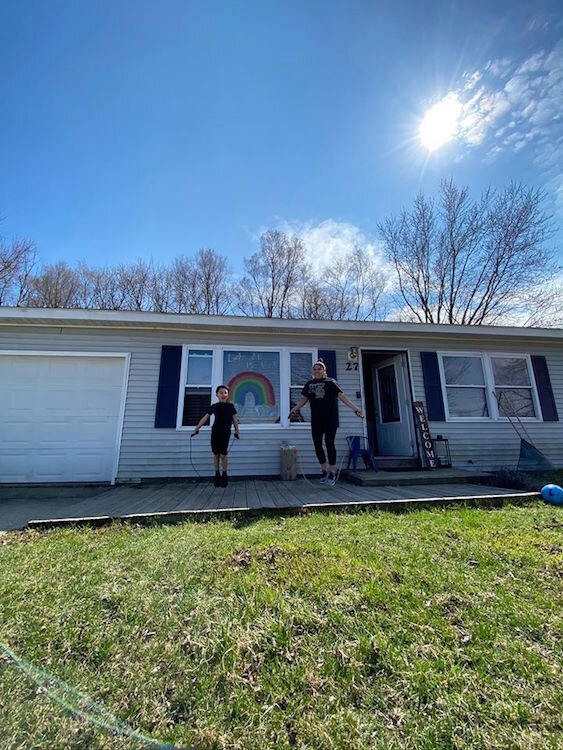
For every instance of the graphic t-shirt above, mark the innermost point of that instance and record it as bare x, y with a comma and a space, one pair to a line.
224, 413
322, 395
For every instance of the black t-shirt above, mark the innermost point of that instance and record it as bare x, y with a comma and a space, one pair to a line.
322, 395
224, 413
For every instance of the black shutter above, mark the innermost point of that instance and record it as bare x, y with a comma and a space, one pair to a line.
432, 387
329, 358
168, 386
545, 392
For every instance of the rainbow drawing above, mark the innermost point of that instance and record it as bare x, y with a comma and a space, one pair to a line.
254, 384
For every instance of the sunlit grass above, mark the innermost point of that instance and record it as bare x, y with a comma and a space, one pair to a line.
431, 629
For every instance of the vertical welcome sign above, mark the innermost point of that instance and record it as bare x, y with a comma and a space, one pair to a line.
424, 431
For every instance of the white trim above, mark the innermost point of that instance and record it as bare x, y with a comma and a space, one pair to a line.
362, 392
121, 418
186, 348
484, 386
132, 319
126, 356
218, 376
47, 353
532, 387
489, 385
409, 389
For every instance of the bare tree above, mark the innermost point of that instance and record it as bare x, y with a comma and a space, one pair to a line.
135, 283
57, 285
469, 262
104, 288
543, 305
160, 289
272, 278
348, 288
212, 283
313, 300
182, 285
17, 261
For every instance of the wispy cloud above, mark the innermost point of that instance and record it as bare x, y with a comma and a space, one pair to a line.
513, 102
515, 106
329, 240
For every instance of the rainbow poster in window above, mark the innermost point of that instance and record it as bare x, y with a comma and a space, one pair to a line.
254, 383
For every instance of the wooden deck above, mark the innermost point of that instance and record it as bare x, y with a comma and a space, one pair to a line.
177, 500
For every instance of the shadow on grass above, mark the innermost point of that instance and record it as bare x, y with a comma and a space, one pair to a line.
525, 480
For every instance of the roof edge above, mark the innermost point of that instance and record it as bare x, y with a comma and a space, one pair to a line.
122, 318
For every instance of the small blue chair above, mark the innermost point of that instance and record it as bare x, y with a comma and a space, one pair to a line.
359, 447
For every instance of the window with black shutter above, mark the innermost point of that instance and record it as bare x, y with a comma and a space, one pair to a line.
198, 386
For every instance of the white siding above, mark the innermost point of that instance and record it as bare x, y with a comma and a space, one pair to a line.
495, 444
491, 444
149, 452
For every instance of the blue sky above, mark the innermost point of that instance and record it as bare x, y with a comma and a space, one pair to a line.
151, 129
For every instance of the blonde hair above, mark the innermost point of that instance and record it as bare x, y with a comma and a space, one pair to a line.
321, 363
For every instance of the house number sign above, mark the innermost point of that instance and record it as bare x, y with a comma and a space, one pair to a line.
424, 431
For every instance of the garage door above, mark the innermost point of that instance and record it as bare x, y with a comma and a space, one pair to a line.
59, 417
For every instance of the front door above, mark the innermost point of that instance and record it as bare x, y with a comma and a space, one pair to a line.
393, 423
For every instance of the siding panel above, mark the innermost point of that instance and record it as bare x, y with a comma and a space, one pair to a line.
150, 452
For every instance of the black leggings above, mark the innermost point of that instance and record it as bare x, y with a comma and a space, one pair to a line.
318, 430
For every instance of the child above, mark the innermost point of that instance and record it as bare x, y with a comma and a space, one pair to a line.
225, 415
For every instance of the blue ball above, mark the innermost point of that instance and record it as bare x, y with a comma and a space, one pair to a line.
552, 493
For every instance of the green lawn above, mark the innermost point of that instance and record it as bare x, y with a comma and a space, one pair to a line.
429, 629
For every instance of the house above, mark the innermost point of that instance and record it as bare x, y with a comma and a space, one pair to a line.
106, 396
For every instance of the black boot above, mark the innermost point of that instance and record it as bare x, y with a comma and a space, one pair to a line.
224, 479
217, 480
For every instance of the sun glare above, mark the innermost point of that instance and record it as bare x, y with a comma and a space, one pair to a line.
440, 123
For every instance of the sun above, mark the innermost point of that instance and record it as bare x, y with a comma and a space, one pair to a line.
440, 123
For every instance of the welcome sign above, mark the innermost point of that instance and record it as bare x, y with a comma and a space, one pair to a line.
424, 431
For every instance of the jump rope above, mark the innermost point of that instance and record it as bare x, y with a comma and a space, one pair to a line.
230, 446
302, 472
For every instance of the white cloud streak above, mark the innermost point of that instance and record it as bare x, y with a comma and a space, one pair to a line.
330, 240
515, 106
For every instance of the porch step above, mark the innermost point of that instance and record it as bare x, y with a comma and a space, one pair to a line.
368, 478
397, 463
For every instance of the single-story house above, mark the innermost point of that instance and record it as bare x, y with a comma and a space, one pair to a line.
113, 396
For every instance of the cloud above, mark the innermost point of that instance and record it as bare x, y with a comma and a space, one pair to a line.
330, 240
524, 95
514, 106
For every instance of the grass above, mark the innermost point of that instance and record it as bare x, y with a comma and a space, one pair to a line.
429, 629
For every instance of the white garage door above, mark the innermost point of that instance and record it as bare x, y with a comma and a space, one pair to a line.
59, 417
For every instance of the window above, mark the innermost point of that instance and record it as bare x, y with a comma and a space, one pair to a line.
488, 386
300, 364
513, 387
388, 397
198, 387
262, 382
254, 381
465, 386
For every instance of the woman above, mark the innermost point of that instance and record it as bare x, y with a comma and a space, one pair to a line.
322, 393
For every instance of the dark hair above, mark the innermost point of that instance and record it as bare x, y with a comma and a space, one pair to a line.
226, 387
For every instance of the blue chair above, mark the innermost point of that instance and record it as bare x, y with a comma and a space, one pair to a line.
359, 447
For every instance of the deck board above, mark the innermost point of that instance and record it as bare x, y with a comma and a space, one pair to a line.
17, 510
252, 496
